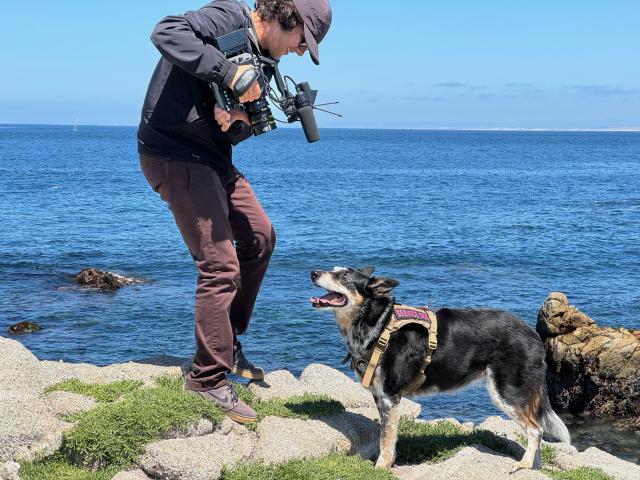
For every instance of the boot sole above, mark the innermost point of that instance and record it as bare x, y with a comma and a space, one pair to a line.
248, 374
239, 418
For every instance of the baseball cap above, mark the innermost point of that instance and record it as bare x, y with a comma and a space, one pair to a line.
316, 15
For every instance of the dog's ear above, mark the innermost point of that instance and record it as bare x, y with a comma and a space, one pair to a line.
382, 285
367, 271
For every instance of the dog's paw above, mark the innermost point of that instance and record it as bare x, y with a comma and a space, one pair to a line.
519, 466
384, 464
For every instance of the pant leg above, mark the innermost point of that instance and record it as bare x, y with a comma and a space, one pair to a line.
199, 203
255, 241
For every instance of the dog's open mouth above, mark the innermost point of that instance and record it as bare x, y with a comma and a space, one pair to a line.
331, 299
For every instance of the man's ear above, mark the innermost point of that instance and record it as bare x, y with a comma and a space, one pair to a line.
368, 271
382, 285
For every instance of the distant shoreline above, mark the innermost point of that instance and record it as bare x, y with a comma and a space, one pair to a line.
432, 129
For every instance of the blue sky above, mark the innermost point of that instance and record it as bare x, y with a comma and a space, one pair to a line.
405, 64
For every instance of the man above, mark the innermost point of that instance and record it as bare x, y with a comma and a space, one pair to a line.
185, 144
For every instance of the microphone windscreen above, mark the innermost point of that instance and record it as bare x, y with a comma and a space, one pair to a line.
308, 121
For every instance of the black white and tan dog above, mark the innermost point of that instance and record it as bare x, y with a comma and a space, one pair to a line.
469, 344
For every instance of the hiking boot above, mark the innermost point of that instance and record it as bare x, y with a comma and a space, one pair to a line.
243, 367
227, 399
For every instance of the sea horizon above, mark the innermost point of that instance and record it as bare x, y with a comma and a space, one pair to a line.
434, 129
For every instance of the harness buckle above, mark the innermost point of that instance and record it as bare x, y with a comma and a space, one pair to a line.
382, 344
433, 342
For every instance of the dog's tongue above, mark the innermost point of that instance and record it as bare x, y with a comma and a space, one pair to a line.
330, 299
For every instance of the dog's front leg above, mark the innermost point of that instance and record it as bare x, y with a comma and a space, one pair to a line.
389, 410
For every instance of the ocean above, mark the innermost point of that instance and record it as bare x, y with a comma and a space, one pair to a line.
460, 218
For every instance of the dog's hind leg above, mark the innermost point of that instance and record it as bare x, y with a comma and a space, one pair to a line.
522, 406
389, 410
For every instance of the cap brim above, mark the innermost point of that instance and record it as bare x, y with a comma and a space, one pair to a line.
312, 45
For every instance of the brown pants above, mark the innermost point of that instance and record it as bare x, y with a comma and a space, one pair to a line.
212, 211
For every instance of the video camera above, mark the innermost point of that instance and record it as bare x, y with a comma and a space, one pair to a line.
237, 48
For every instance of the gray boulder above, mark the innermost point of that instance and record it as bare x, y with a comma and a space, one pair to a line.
277, 384
9, 471
324, 380
282, 439
66, 403
474, 462
131, 475
55, 372
19, 368
593, 457
198, 458
504, 428
28, 428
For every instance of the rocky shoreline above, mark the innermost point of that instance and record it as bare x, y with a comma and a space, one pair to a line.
34, 421
592, 370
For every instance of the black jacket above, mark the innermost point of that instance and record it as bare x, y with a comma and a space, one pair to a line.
177, 116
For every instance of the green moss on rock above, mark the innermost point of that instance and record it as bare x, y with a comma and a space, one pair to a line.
59, 468
582, 473
116, 433
344, 467
109, 392
422, 442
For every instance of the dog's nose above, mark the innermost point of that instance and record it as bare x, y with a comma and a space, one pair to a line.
315, 275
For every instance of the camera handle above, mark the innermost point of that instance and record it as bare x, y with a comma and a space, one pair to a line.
244, 82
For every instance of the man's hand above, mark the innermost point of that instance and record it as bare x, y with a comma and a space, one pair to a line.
225, 119
254, 91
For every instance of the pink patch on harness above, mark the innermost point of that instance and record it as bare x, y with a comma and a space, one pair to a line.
403, 313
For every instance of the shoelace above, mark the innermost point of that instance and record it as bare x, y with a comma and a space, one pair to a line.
234, 395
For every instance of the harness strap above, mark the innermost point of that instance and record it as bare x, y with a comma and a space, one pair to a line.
420, 316
433, 344
378, 350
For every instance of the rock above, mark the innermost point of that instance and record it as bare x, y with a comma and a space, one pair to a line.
368, 412
55, 372
507, 429
561, 447
24, 327
277, 384
474, 462
409, 408
66, 403
592, 457
199, 458
94, 278
281, 439
501, 427
362, 432
200, 429
19, 368
9, 471
131, 475
467, 427
436, 421
591, 370
557, 317
324, 380
28, 429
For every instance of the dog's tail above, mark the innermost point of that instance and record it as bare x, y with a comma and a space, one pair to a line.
551, 423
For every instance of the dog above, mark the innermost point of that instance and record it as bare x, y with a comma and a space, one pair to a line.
471, 343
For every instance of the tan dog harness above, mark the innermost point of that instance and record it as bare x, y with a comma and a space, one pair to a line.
404, 315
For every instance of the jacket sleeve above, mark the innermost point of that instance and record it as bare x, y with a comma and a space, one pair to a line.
187, 40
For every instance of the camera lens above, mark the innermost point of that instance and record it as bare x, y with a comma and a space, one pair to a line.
260, 116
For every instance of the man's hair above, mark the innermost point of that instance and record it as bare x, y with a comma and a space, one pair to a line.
282, 11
